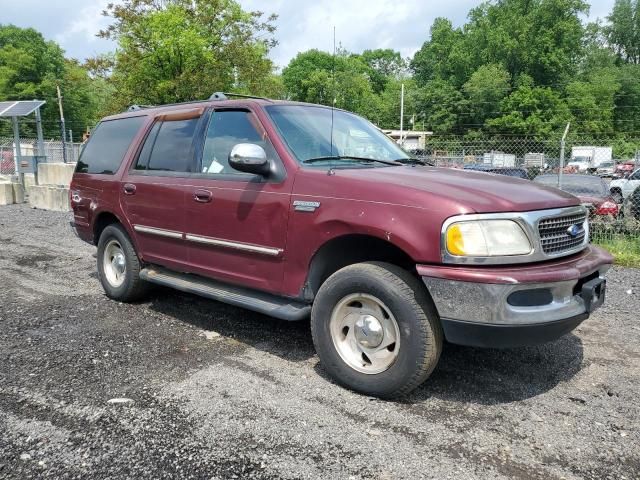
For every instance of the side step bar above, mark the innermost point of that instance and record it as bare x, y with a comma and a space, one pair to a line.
273, 305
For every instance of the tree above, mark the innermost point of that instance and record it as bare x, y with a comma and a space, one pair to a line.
384, 65
623, 30
320, 77
30, 68
531, 111
179, 50
444, 57
486, 88
441, 106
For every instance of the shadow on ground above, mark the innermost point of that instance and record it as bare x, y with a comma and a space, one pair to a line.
464, 374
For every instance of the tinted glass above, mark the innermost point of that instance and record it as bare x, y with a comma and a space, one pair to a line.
145, 153
172, 147
227, 129
108, 144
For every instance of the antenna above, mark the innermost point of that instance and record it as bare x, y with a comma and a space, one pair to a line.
333, 82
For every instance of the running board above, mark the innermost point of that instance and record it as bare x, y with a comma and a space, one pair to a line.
272, 305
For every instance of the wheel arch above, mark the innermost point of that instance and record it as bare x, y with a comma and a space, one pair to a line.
348, 249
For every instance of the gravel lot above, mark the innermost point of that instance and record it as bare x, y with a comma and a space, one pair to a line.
219, 392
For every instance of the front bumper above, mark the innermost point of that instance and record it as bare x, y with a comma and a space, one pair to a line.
508, 307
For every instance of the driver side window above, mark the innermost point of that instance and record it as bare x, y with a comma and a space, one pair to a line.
228, 128
635, 176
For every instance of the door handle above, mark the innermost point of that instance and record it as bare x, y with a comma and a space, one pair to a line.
129, 189
202, 196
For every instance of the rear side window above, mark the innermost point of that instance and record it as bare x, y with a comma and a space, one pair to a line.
171, 150
108, 144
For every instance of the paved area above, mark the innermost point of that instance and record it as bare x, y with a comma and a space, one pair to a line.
182, 387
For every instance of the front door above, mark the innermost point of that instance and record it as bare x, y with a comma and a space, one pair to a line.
153, 191
236, 222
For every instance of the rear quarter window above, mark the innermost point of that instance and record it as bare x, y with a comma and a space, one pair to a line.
108, 144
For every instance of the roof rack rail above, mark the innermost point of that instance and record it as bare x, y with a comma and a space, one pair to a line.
135, 108
225, 96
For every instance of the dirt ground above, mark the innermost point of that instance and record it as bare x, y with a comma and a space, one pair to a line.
205, 390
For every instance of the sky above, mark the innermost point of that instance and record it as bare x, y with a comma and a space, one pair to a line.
301, 25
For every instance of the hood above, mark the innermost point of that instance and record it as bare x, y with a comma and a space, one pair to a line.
464, 190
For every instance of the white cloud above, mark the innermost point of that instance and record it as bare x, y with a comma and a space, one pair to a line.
88, 21
302, 24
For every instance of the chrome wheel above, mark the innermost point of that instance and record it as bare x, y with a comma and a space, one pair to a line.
114, 263
365, 333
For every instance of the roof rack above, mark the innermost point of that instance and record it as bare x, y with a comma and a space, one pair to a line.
225, 96
217, 96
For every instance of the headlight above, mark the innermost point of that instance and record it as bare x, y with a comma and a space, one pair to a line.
486, 238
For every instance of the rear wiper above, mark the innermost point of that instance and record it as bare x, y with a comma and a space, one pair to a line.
350, 157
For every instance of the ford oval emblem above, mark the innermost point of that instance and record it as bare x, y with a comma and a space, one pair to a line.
574, 230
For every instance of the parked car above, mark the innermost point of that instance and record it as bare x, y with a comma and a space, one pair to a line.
7, 164
624, 169
508, 171
606, 169
591, 190
623, 187
296, 210
631, 207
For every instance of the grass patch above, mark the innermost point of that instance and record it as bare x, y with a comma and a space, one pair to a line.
625, 249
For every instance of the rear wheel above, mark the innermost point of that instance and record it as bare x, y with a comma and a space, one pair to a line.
376, 330
119, 266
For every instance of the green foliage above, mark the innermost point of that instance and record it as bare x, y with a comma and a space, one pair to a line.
181, 50
30, 68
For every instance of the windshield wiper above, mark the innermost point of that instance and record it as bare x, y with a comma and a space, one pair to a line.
412, 161
350, 157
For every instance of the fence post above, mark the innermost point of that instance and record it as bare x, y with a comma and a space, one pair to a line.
562, 145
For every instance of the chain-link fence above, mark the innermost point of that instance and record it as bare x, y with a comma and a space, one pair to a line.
607, 186
53, 152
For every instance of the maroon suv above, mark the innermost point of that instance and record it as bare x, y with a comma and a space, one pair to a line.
298, 210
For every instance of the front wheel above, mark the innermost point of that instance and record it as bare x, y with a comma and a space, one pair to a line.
376, 330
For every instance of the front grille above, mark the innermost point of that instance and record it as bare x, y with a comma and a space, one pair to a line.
554, 234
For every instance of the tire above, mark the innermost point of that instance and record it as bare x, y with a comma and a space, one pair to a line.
405, 301
114, 243
616, 194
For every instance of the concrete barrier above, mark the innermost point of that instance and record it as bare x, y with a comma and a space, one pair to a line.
55, 173
29, 180
18, 192
6, 193
49, 197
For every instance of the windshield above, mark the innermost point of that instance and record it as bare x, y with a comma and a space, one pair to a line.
606, 165
307, 132
576, 185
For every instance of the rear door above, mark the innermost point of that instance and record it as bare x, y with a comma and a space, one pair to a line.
236, 222
93, 181
153, 190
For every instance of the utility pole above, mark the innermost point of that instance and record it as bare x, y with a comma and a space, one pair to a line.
62, 129
562, 145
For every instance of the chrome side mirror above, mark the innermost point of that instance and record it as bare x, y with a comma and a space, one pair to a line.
250, 158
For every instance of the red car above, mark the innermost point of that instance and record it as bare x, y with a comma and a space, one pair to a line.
624, 169
296, 210
7, 165
592, 191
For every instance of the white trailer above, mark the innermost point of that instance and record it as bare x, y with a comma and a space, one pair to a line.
589, 158
499, 159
